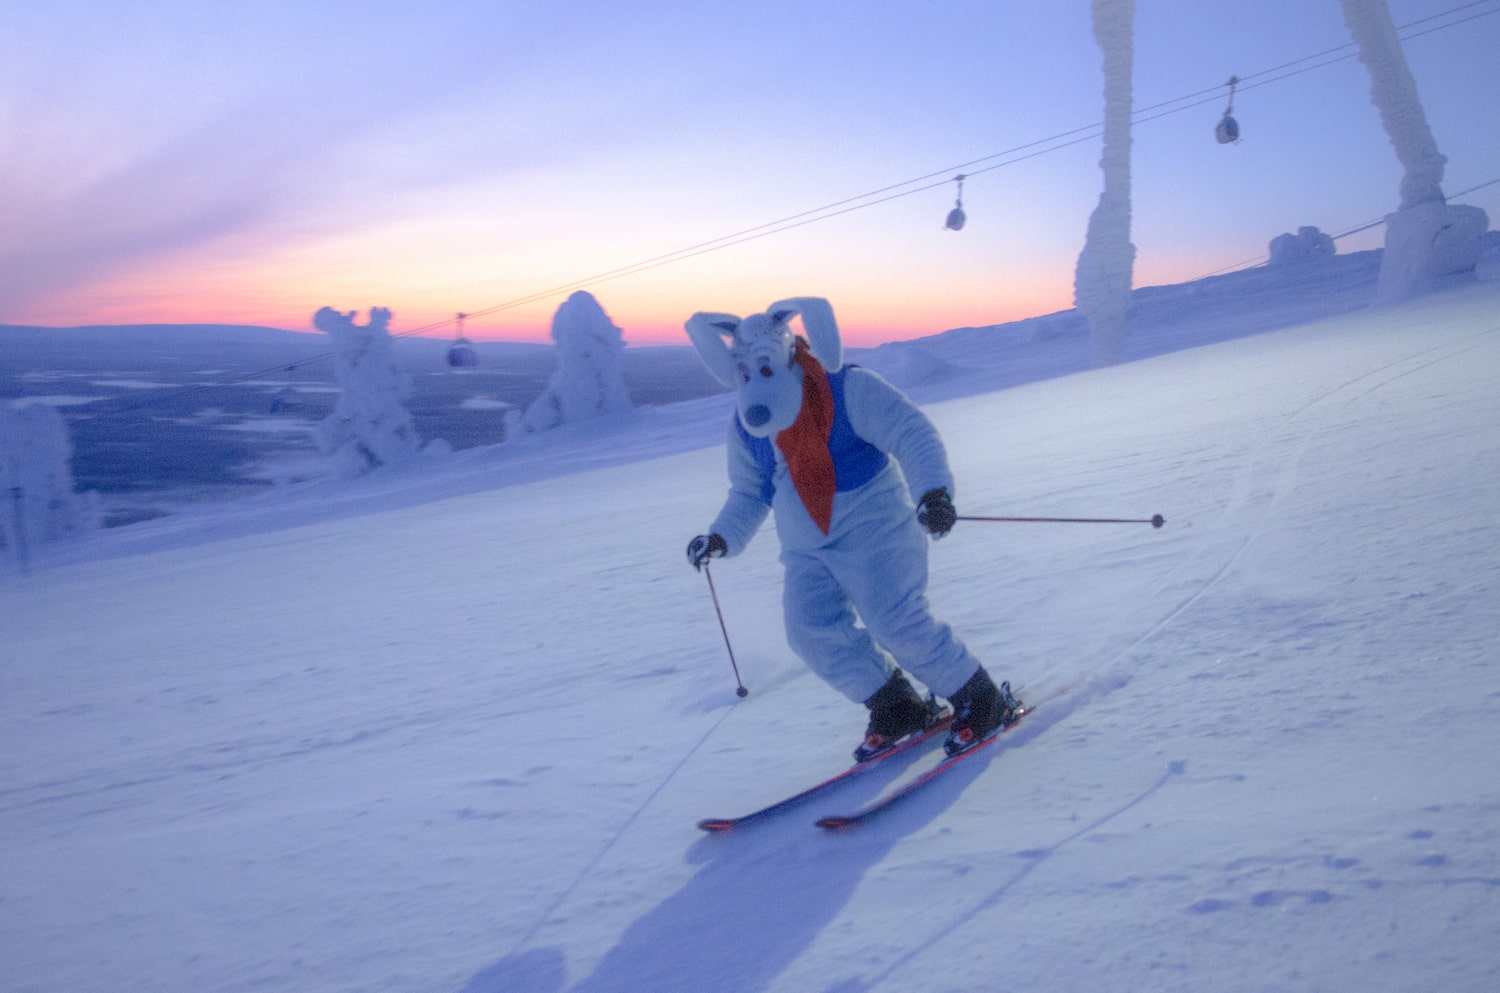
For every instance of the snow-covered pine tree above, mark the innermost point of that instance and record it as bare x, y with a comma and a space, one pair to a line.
370, 426
588, 382
1307, 245
37, 501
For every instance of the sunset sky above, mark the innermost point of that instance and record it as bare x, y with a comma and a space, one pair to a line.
204, 162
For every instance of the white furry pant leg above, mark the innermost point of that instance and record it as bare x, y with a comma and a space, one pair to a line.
877, 575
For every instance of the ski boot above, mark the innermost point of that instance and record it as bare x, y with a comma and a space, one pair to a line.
979, 708
896, 710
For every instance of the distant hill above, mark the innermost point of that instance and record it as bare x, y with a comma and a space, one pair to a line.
656, 374
163, 414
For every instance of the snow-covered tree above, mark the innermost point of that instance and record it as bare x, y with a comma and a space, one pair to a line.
1101, 284
587, 382
37, 502
370, 425
1428, 241
1307, 245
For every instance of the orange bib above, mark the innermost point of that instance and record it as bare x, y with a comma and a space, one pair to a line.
804, 445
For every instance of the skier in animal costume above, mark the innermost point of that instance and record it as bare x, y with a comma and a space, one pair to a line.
839, 455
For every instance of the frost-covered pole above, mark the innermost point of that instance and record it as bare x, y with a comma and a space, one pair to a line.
1393, 91
1101, 283
1426, 239
18, 495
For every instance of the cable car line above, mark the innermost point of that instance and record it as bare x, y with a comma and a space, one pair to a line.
895, 191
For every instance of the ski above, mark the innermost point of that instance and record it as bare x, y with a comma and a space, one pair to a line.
843, 822
718, 825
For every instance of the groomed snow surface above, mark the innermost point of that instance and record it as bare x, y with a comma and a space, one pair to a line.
450, 730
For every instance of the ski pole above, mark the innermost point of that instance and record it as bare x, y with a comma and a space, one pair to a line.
741, 691
1155, 520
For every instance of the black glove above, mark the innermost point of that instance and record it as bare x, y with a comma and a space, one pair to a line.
935, 512
705, 547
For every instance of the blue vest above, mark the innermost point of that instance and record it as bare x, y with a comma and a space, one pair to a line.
855, 461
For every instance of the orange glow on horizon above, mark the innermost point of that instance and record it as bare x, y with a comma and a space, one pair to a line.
867, 318
872, 307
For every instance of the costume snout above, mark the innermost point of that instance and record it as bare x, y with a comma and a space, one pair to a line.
770, 383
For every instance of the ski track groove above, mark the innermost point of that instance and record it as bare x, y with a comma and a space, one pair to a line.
1286, 478
1117, 674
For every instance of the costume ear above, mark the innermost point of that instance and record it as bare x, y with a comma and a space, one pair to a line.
821, 329
707, 332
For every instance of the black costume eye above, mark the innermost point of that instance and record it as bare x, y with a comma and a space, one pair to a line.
766, 371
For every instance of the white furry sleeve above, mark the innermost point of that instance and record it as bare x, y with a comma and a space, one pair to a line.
747, 505
887, 419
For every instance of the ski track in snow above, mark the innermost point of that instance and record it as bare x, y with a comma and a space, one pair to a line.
1278, 456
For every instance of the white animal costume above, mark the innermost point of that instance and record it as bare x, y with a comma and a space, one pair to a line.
841, 456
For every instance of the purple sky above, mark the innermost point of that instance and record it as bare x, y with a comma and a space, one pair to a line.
203, 162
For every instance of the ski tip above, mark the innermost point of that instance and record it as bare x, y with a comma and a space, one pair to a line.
717, 825
839, 823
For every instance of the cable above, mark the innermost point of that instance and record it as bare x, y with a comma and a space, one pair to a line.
1009, 156
896, 191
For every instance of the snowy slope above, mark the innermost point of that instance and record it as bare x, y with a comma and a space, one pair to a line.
450, 731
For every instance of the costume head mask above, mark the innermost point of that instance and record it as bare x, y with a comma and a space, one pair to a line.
756, 356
